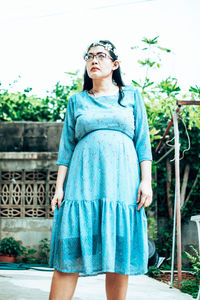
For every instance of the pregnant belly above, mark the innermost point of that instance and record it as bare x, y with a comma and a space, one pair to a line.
105, 163
105, 138
107, 145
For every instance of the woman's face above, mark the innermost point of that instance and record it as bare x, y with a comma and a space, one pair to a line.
99, 69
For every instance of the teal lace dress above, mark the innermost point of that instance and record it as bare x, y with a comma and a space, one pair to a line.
98, 228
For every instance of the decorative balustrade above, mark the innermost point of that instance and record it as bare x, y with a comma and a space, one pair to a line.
27, 193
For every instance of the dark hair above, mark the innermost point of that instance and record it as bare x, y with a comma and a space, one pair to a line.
117, 78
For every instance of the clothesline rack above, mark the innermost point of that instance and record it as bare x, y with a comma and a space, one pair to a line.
177, 209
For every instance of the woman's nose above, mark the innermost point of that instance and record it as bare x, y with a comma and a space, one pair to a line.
94, 58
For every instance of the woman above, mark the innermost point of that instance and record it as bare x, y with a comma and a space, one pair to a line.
103, 182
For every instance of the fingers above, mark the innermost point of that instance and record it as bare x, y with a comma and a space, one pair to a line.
139, 195
56, 201
59, 203
142, 201
145, 201
53, 204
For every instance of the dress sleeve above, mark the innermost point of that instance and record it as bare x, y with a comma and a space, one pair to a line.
142, 136
67, 140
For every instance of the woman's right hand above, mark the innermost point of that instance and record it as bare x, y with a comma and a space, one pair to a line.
57, 199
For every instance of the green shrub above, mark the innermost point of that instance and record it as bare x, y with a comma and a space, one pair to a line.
9, 246
192, 286
44, 249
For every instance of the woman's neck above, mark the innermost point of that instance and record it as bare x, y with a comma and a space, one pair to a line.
104, 87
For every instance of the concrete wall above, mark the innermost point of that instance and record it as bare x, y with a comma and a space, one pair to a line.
30, 231
15, 161
29, 146
30, 136
189, 236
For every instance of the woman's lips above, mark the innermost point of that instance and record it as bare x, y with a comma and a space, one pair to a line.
94, 69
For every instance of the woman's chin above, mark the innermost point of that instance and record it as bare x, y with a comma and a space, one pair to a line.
95, 76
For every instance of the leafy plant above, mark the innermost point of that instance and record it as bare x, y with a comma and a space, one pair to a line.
23, 107
152, 271
195, 90
150, 61
164, 242
44, 247
195, 261
9, 246
28, 255
192, 286
152, 229
169, 86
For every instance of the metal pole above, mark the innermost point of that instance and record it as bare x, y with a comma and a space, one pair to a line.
173, 243
177, 186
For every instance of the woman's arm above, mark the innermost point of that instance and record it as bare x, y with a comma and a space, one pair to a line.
145, 193
143, 149
62, 172
59, 193
66, 148
145, 167
141, 136
67, 139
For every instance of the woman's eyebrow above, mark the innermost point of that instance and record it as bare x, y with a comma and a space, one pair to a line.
96, 53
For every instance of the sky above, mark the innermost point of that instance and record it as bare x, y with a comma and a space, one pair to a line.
43, 39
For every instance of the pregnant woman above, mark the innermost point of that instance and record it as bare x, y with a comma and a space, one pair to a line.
103, 182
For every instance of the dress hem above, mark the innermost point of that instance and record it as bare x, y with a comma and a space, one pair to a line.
83, 274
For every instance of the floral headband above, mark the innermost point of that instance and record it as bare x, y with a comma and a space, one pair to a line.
107, 46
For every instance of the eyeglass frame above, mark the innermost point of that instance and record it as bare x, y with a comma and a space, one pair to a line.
96, 55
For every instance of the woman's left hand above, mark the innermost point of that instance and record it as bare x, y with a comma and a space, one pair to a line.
145, 194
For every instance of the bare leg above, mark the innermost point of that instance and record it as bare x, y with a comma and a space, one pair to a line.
116, 286
63, 285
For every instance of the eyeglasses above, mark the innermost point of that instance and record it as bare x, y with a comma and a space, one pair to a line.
100, 56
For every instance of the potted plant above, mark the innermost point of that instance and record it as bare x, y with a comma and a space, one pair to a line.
9, 249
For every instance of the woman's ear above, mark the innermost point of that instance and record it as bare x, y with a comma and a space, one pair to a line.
115, 65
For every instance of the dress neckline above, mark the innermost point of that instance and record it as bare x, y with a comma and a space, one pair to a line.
105, 96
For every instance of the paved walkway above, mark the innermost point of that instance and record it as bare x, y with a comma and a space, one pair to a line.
35, 285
